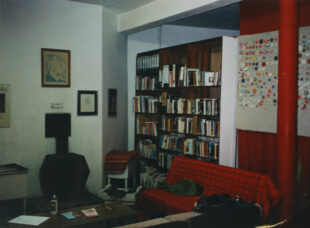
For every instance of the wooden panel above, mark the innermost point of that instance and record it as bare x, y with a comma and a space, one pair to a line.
216, 59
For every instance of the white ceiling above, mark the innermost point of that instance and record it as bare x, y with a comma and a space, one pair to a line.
226, 17
118, 6
121, 6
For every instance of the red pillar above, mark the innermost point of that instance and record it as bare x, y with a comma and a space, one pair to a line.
287, 104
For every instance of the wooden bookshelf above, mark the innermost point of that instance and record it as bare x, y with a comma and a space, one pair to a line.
191, 69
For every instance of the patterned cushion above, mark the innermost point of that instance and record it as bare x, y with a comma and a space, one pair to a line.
116, 161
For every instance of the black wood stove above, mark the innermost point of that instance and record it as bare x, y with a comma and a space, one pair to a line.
64, 174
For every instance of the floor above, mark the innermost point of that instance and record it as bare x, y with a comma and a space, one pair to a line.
12, 208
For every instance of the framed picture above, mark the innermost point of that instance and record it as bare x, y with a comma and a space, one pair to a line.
4, 105
55, 67
87, 103
112, 102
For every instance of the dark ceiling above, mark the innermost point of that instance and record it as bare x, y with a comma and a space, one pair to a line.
226, 17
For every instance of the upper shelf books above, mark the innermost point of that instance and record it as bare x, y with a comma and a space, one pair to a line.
177, 75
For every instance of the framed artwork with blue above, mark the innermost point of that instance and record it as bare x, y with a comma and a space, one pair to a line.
55, 67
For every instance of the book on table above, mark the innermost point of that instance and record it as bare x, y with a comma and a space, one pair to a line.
70, 215
91, 212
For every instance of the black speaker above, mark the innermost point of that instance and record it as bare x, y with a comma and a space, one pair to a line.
57, 125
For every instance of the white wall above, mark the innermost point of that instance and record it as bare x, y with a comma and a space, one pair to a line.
160, 37
26, 26
114, 67
229, 81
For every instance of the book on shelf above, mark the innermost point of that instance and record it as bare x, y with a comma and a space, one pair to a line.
146, 83
145, 104
178, 75
89, 213
170, 76
164, 99
145, 125
147, 149
165, 160
189, 146
202, 147
151, 177
197, 106
149, 62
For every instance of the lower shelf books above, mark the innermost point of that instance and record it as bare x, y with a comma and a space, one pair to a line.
201, 147
151, 177
147, 149
89, 213
165, 160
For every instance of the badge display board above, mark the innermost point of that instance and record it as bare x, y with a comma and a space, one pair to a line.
303, 121
4, 105
258, 81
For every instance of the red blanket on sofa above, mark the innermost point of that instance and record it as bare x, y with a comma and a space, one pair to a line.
215, 179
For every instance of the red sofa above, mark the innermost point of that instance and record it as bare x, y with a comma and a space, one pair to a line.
215, 179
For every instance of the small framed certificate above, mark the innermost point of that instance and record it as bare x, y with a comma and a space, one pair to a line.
87, 103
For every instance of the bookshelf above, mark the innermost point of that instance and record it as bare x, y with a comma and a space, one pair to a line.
179, 101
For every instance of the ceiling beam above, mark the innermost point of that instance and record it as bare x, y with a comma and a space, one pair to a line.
162, 11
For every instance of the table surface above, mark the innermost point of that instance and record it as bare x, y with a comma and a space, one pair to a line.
115, 210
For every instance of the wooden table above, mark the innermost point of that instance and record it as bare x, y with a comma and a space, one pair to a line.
119, 214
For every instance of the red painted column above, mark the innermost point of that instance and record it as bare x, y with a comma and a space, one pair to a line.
287, 104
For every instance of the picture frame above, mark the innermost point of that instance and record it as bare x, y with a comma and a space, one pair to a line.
87, 103
55, 67
112, 102
5, 116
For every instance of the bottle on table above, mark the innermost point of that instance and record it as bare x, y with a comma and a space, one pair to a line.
54, 205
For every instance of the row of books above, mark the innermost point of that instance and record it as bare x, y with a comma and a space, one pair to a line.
147, 149
172, 142
145, 104
177, 75
202, 148
151, 177
198, 106
191, 125
146, 128
165, 160
146, 83
190, 146
207, 149
149, 62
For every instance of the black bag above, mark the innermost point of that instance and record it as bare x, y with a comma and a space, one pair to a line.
224, 209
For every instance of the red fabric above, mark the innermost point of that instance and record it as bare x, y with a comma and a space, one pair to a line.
213, 178
258, 16
257, 150
116, 161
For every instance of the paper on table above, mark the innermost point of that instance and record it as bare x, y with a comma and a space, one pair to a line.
29, 220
